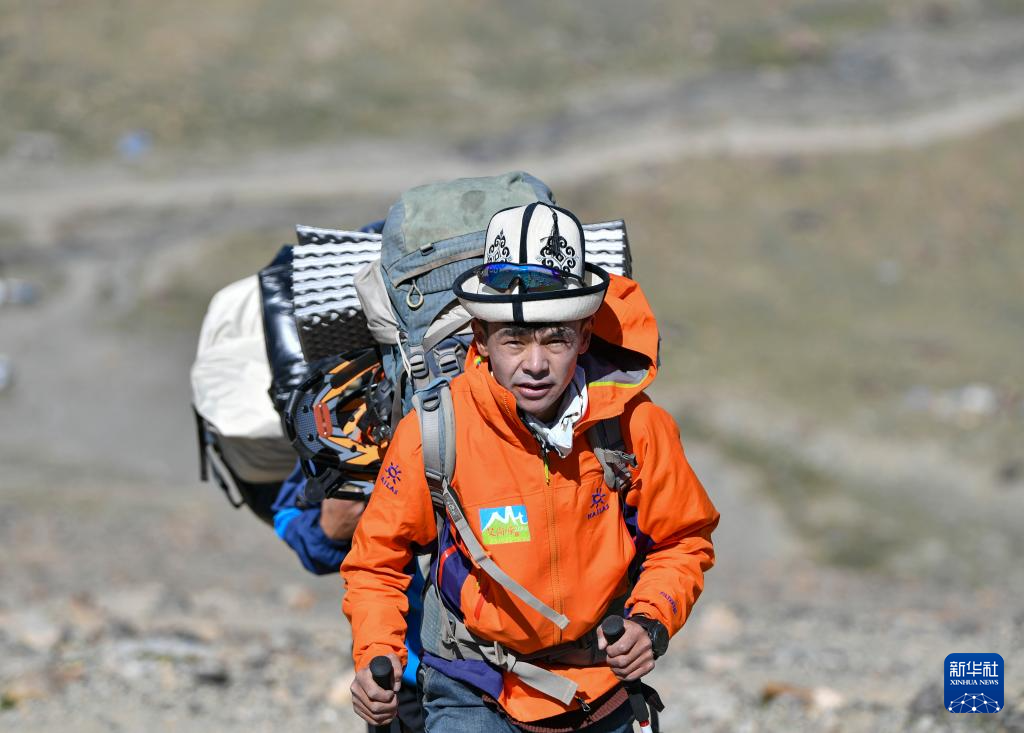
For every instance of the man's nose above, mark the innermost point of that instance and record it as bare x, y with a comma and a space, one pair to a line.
536, 360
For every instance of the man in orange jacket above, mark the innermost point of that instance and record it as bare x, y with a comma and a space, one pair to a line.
541, 541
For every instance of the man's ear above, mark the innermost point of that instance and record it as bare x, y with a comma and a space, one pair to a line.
480, 337
586, 330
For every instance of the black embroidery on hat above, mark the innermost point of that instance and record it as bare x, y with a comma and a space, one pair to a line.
498, 251
557, 252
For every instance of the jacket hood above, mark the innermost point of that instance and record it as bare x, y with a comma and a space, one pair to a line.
621, 362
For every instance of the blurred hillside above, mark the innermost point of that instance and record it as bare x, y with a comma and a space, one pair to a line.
245, 75
826, 205
83, 81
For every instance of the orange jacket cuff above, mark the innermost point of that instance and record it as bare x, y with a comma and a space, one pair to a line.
363, 660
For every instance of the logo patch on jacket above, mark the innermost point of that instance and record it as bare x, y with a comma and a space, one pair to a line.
598, 504
504, 524
391, 477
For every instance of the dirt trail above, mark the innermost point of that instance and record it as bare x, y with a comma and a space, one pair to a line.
903, 87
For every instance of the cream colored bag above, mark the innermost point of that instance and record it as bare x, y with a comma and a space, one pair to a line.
230, 379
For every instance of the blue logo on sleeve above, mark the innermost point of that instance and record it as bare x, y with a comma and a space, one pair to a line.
974, 683
390, 477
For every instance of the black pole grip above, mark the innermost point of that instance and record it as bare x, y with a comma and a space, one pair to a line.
384, 677
613, 628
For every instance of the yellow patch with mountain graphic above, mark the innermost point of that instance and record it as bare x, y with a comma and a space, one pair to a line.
504, 525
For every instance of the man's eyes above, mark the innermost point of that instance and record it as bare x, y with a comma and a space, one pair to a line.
557, 342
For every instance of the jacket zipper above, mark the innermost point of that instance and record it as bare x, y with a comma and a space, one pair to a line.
549, 500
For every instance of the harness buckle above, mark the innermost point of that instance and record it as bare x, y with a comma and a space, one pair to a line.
448, 362
418, 366
430, 401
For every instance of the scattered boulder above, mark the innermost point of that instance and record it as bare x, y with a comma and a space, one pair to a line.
195, 628
255, 656
928, 702
138, 659
211, 671
339, 694
31, 686
35, 146
804, 44
719, 663
297, 597
704, 703
718, 625
967, 405
817, 700
86, 620
217, 602
1013, 721
1011, 472
136, 606
33, 629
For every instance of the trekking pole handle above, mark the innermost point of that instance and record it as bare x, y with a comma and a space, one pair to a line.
384, 677
613, 628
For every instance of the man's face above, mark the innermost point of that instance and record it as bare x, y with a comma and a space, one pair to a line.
535, 364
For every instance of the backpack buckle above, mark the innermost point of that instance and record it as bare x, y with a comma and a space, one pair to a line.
430, 402
418, 366
448, 362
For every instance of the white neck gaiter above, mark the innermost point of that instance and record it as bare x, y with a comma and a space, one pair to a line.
558, 434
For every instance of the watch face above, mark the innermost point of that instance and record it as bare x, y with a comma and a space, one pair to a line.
657, 633
659, 638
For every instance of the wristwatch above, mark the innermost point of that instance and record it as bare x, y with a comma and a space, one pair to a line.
655, 630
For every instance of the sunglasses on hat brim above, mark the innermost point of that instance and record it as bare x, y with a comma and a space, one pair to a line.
534, 278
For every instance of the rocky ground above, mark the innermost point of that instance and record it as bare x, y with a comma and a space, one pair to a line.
127, 608
133, 598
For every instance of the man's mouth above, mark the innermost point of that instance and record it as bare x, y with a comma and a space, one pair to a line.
533, 391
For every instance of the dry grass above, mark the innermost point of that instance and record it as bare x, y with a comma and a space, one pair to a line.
838, 284
240, 75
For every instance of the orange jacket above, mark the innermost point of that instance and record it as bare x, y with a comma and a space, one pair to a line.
575, 549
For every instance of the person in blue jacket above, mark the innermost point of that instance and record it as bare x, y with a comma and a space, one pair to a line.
321, 536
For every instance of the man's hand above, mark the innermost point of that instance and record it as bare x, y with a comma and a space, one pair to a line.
338, 517
371, 703
631, 657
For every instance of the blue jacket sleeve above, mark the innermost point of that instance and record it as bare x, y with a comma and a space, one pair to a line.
299, 527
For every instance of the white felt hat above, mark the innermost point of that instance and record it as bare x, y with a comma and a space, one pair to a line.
536, 234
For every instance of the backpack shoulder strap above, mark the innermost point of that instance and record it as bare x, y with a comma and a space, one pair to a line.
609, 447
436, 414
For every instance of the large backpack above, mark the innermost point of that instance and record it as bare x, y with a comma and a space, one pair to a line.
381, 333
433, 234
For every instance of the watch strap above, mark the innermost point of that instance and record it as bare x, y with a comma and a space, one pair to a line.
656, 631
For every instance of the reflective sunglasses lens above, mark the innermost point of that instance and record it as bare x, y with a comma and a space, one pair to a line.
542, 282
501, 275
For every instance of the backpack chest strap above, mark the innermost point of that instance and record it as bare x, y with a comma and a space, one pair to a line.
457, 642
437, 434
